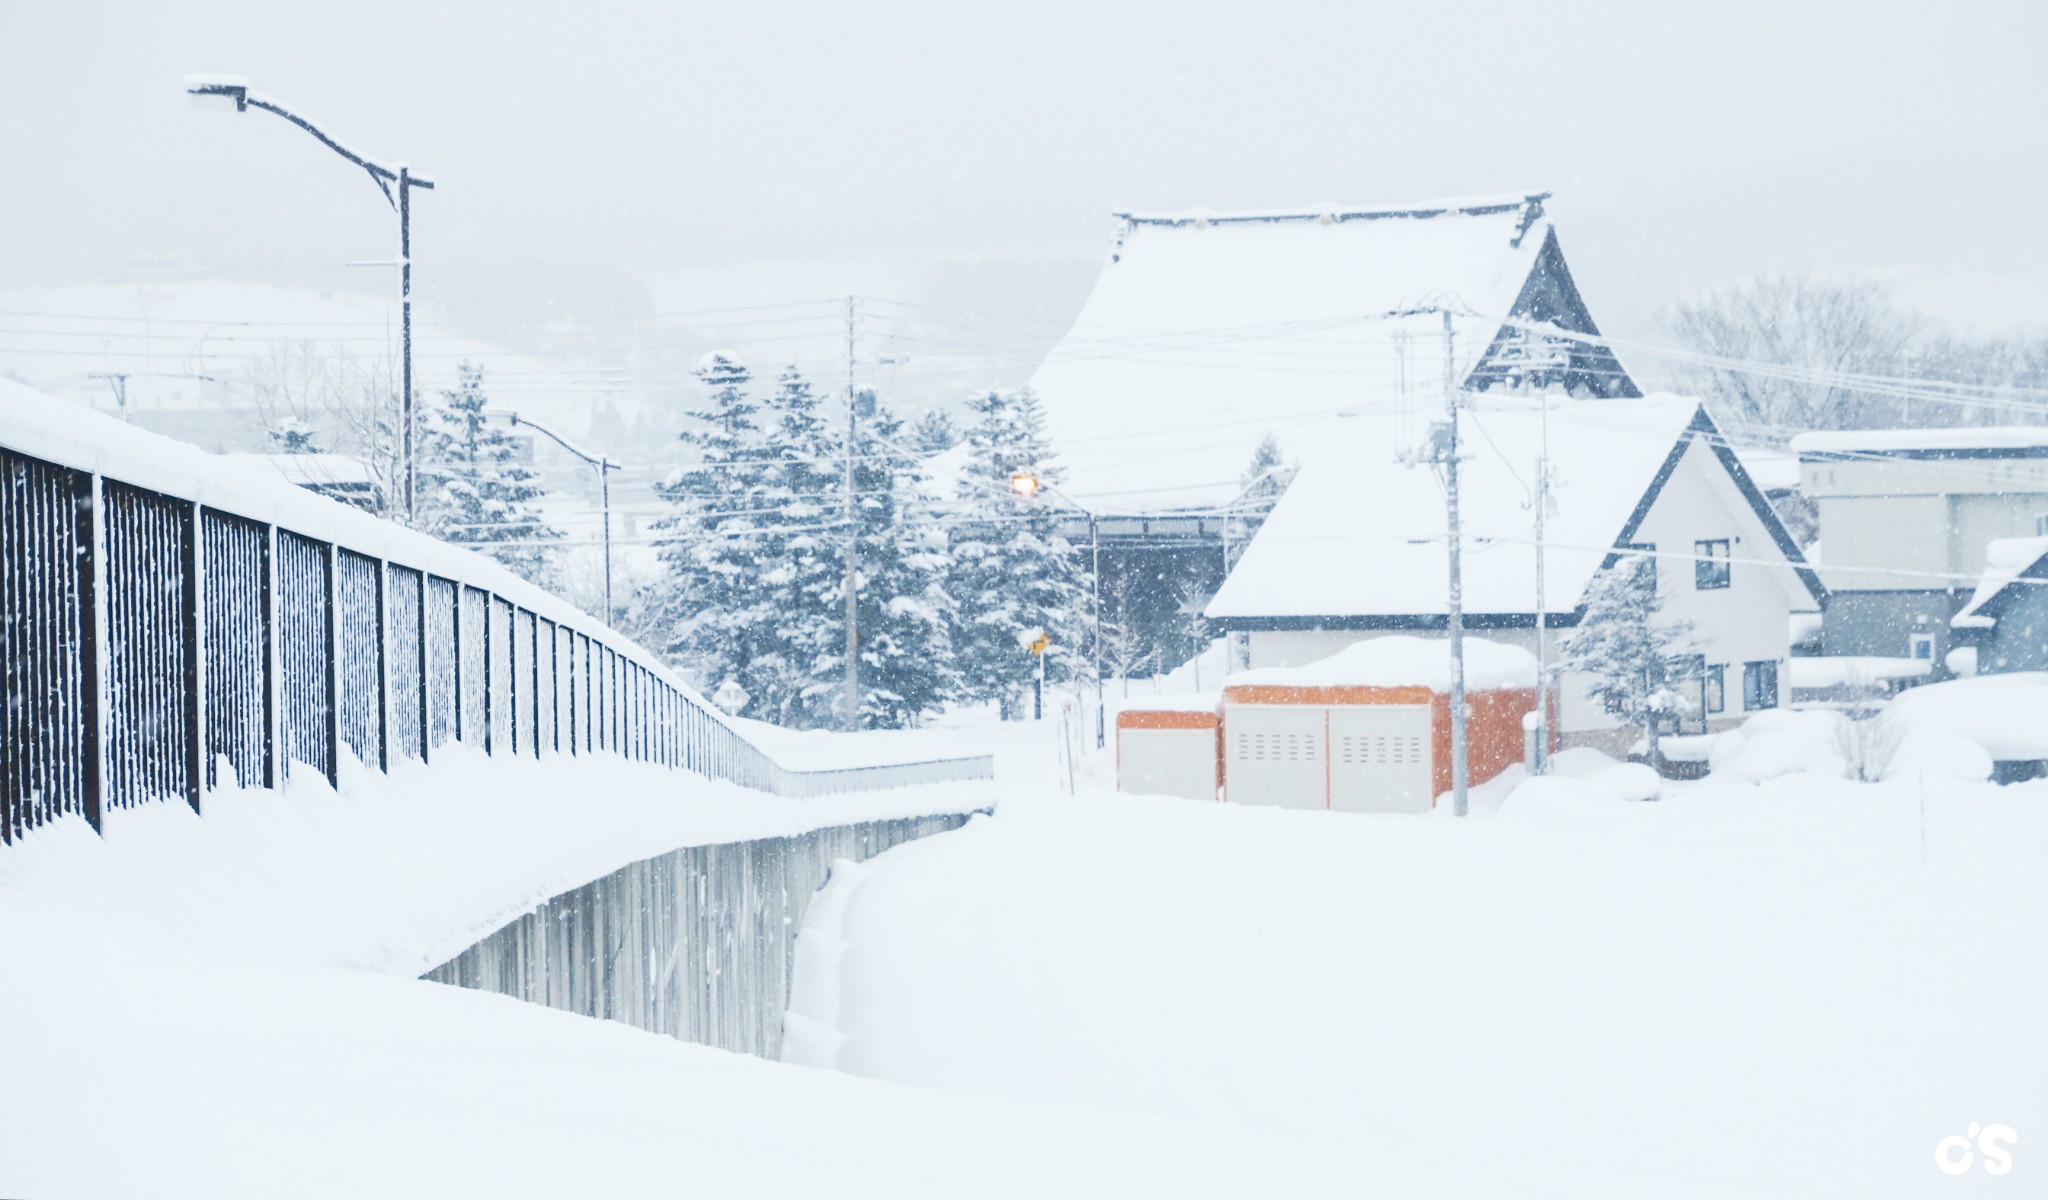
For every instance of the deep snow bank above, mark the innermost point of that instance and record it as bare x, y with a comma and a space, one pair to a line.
397, 873
1788, 989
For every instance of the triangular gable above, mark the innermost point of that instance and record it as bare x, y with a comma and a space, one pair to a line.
1703, 429
1550, 297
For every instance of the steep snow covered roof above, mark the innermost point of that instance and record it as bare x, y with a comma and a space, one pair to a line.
2006, 561
1359, 534
1403, 661
1207, 330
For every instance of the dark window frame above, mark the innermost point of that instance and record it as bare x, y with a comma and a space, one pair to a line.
1712, 570
1759, 685
1717, 687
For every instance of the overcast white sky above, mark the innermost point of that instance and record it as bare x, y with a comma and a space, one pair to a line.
1688, 144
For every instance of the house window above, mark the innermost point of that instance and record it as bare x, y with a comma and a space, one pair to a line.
1648, 550
1920, 646
1717, 688
1759, 685
2041, 525
1710, 564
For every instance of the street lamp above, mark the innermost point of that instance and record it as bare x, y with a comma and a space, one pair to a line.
605, 467
1028, 484
230, 93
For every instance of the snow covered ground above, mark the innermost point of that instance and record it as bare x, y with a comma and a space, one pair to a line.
1792, 988
1789, 988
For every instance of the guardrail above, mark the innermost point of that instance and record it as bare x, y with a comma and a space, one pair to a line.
698, 943
161, 622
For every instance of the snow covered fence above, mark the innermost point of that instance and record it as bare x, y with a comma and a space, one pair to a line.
697, 944
166, 619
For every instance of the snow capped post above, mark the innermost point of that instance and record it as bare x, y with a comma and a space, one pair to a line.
230, 93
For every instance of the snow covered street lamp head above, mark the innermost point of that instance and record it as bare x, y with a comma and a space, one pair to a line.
224, 93
396, 182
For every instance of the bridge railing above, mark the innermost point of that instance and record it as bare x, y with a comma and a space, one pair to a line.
162, 622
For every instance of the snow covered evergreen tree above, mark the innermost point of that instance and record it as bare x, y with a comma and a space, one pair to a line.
1635, 657
718, 609
1011, 568
292, 435
477, 492
803, 554
904, 613
1265, 477
935, 433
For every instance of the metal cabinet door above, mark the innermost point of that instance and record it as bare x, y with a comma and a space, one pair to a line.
1275, 756
1380, 758
1167, 762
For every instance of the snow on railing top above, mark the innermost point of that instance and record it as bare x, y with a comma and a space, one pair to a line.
70, 435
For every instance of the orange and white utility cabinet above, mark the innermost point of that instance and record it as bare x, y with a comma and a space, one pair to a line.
1170, 746
1369, 729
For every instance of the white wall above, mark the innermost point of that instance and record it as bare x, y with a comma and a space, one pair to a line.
1749, 620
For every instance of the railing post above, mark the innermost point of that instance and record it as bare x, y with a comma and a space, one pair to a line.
425, 661
333, 665
273, 734
536, 684
489, 732
195, 655
92, 658
383, 667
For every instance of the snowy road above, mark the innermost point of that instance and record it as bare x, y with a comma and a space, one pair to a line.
1748, 990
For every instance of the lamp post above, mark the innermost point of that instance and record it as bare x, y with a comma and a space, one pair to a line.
605, 467
231, 93
1028, 484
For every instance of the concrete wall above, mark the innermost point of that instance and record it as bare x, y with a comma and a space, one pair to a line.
697, 943
1899, 524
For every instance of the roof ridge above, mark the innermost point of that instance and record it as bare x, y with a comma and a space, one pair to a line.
1330, 214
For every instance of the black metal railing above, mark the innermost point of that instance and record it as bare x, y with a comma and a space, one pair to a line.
152, 639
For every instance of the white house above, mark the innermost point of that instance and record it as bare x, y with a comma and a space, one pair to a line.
1358, 543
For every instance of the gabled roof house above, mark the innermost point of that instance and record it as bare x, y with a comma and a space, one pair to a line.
1357, 546
1207, 330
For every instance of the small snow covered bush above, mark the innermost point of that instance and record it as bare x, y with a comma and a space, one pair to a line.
1937, 754
1779, 742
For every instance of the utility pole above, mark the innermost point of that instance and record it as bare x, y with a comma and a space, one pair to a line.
852, 538
1539, 762
1456, 598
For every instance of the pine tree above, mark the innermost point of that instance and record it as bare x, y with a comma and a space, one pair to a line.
294, 436
804, 553
903, 612
935, 433
1634, 658
717, 609
1011, 569
1265, 477
478, 491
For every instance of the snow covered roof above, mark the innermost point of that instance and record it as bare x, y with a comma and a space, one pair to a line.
1400, 660
2000, 440
2006, 562
1360, 535
1207, 330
